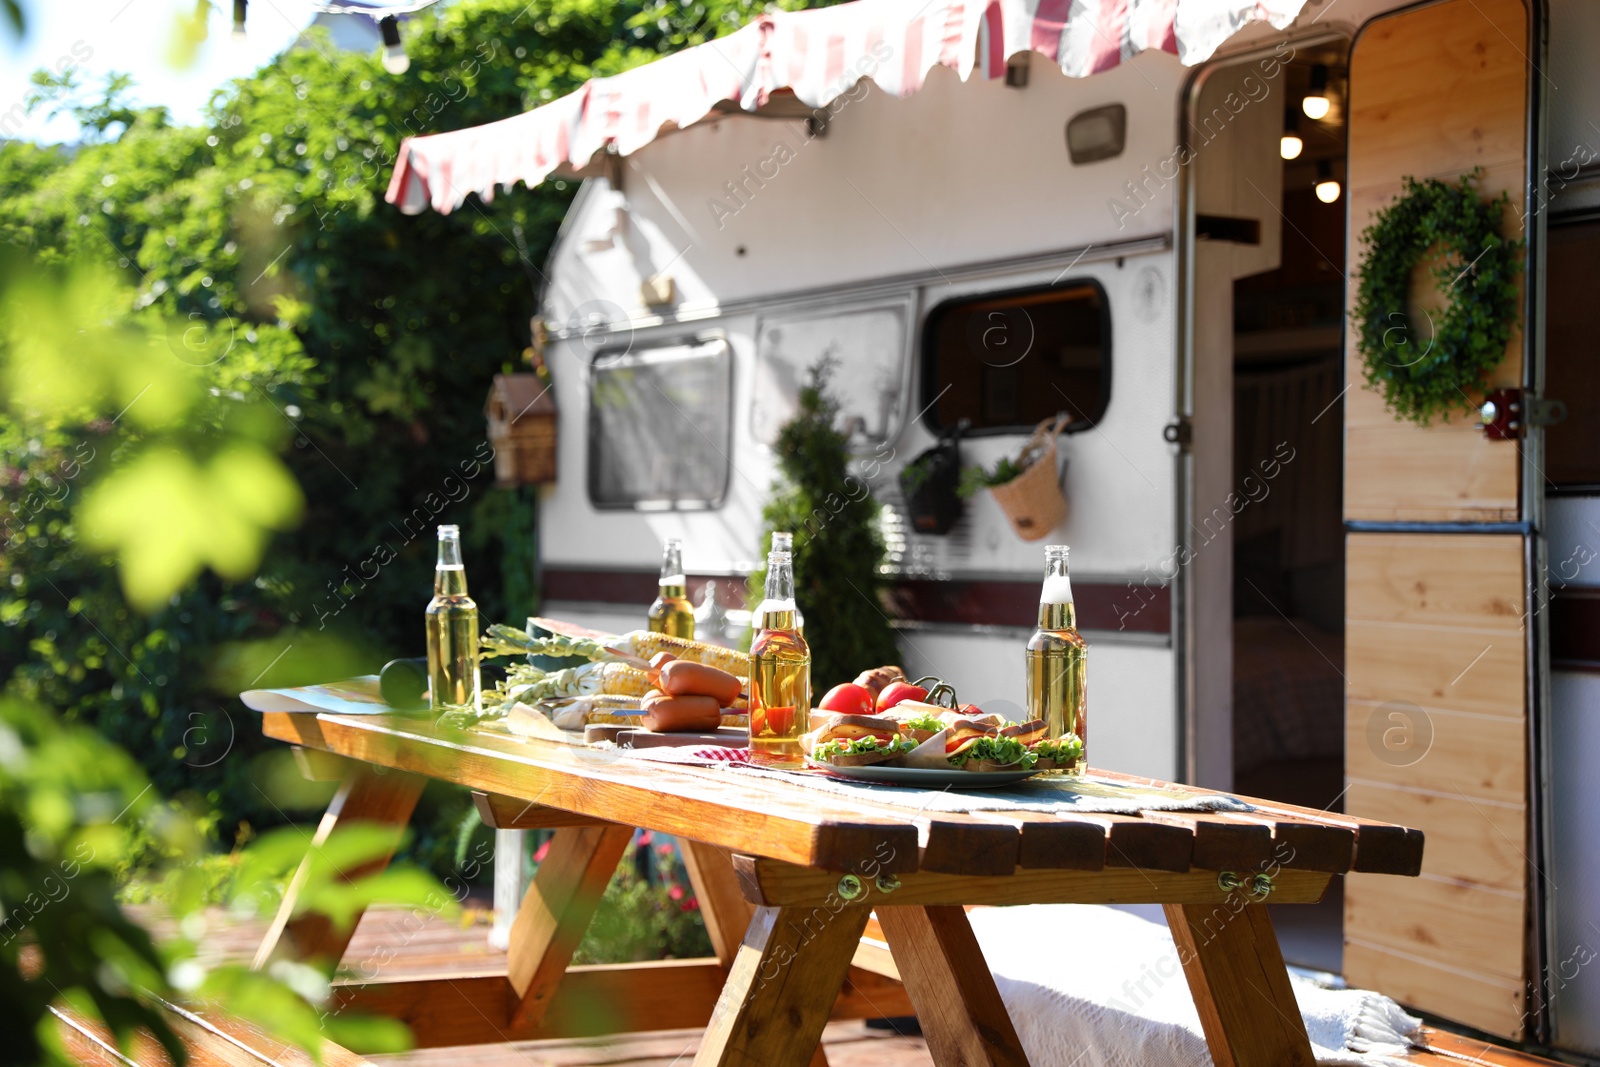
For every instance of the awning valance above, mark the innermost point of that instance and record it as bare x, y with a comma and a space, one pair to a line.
818, 55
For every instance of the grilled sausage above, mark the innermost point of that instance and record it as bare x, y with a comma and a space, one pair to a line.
682, 678
670, 714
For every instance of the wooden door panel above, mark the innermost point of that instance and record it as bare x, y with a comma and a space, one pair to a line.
1466, 670
1494, 1005
1427, 918
1464, 752
1434, 620
1390, 584
1435, 92
1469, 840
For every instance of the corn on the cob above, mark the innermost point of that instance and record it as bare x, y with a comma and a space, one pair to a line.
645, 644
619, 679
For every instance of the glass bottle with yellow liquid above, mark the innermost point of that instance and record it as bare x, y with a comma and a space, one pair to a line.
1058, 659
782, 541
780, 672
672, 614
453, 681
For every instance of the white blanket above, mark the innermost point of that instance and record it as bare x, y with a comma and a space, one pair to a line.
1108, 991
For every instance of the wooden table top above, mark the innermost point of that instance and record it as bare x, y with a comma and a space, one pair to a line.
783, 820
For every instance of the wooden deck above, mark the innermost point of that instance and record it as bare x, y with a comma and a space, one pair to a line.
393, 943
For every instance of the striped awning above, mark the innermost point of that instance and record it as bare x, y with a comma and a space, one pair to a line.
818, 56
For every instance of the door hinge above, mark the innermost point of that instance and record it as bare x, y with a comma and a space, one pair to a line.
1180, 432
1507, 414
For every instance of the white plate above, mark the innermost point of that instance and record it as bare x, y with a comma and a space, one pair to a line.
924, 777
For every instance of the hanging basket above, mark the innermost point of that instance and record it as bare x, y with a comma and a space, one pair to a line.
1032, 500
929, 485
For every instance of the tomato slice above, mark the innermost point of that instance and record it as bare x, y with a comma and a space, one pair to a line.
780, 721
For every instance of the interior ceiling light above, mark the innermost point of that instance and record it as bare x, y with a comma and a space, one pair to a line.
1327, 187
238, 18
1290, 145
1316, 103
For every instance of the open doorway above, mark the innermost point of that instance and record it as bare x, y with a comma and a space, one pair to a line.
1288, 544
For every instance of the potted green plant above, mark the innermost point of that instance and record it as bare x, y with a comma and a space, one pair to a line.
931, 484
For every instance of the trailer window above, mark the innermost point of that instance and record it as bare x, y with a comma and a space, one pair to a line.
659, 426
867, 347
1007, 361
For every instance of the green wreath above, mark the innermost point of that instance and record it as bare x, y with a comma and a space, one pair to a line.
1430, 371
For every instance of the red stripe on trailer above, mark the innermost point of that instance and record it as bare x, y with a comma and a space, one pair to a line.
1108, 31
911, 68
797, 57
950, 44
1163, 26
995, 31
835, 64
1049, 22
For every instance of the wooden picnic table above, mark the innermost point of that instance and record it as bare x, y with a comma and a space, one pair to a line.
818, 905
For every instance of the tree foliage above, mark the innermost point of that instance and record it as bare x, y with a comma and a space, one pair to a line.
312, 320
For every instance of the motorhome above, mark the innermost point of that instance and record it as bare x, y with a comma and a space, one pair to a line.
1156, 229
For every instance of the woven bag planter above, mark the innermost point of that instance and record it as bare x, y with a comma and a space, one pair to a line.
1032, 500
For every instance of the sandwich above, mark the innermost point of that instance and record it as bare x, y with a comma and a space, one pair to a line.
1029, 733
917, 720
980, 746
1056, 754
856, 740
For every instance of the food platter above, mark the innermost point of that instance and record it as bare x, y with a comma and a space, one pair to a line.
923, 777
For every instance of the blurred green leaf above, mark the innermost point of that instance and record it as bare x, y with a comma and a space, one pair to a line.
269, 1003
167, 516
369, 1035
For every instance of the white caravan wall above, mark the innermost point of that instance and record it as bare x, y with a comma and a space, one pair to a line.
1118, 477
956, 174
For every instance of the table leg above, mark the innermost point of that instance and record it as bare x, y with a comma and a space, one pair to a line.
556, 911
368, 794
782, 986
1240, 985
722, 904
958, 1006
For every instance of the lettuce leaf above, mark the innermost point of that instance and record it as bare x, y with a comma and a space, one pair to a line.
1064, 749
855, 746
1000, 749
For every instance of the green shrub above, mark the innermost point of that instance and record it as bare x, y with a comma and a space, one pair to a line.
644, 919
838, 546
